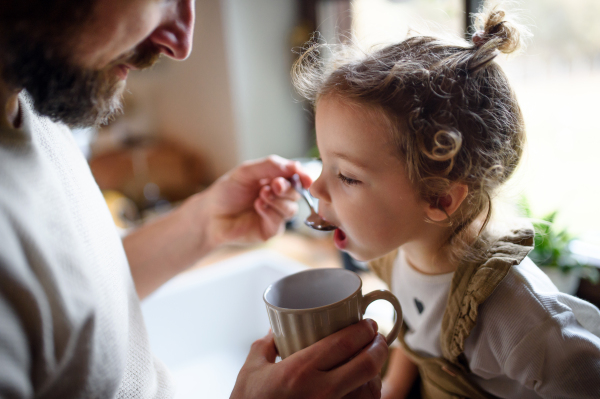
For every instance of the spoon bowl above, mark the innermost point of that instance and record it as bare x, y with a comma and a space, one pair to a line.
314, 220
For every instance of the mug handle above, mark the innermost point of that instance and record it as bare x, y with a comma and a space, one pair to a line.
391, 298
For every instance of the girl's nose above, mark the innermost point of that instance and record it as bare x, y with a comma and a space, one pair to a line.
174, 35
318, 189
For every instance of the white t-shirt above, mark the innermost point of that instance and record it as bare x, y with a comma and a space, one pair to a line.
70, 319
530, 340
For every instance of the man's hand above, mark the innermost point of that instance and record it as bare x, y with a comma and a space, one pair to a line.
252, 202
322, 370
249, 204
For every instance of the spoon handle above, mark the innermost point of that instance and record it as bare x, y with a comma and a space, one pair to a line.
295, 180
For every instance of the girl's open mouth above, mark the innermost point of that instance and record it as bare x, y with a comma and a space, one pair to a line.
339, 238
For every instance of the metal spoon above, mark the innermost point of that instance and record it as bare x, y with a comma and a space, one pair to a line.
314, 220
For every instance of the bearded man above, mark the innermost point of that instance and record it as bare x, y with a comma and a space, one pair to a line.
70, 289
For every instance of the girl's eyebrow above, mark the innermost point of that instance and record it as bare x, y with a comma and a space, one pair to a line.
348, 158
345, 157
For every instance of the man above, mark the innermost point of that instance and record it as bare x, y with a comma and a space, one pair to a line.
71, 325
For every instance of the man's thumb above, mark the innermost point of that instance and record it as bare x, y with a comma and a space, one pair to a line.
264, 349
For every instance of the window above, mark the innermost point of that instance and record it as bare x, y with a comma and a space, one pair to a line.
557, 82
386, 21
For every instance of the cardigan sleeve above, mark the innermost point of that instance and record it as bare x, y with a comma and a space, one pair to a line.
557, 359
533, 341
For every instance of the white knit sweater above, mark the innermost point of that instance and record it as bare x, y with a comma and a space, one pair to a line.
70, 319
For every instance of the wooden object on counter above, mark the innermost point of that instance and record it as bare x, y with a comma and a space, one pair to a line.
173, 172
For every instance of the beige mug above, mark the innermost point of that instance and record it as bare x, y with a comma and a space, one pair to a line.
308, 306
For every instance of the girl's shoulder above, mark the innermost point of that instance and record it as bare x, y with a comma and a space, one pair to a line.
530, 292
526, 297
525, 318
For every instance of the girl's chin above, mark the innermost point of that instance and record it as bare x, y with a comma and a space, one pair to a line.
343, 244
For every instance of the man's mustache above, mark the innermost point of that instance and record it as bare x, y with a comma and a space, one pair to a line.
142, 57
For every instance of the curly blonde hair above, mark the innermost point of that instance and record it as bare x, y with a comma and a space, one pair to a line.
452, 113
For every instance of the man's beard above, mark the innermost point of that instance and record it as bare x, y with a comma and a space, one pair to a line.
67, 93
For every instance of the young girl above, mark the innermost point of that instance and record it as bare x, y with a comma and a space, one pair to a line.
415, 140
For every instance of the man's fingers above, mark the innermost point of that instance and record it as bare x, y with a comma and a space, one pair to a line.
282, 188
370, 390
337, 348
306, 180
268, 168
285, 207
271, 193
363, 368
374, 386
272, 222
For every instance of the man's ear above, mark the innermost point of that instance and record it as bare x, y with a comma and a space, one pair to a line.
448, 203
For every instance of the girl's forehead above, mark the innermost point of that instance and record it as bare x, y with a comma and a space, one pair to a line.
350, 131
335, 113
336, 107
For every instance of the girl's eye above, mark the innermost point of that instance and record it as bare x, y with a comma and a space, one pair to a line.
347, 180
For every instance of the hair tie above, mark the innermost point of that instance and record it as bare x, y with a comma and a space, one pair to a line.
479, 38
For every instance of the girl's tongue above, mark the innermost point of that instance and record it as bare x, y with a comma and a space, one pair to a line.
339, 238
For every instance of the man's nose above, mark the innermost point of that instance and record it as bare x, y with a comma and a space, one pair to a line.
174, 35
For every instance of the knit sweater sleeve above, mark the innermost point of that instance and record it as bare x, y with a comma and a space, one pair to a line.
14, 356
71, 325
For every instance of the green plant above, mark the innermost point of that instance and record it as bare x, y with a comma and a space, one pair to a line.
313, 152
551, 246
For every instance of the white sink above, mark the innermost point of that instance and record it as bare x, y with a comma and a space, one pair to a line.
201, 324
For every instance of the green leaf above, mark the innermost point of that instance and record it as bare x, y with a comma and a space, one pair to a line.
551, 247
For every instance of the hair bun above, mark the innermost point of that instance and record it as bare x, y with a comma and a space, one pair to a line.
495, 31
479, 38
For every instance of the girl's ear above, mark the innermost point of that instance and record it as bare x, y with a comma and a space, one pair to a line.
447, 204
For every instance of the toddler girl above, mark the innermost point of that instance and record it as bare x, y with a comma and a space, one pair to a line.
415, 140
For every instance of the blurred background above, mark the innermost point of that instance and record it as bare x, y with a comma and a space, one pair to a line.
186, 123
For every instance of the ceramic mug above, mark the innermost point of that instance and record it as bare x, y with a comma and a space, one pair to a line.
308, 306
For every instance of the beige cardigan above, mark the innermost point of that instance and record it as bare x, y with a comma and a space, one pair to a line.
472, 284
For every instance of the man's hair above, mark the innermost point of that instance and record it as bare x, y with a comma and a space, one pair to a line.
35, 18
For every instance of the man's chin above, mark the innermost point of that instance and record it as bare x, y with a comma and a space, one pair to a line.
101, 111
110, 107
115, 103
